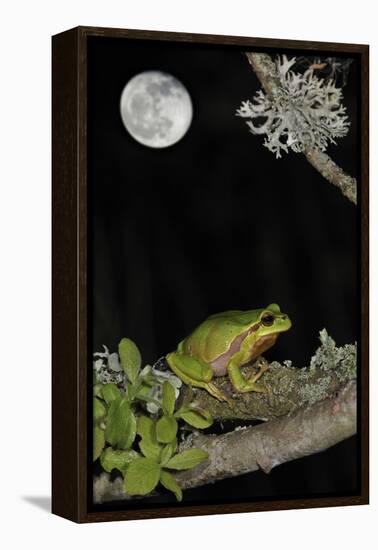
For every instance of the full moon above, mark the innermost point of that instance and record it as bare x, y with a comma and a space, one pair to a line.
156, 109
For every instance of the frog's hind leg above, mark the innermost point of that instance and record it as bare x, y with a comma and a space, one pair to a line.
194, 373
190, 370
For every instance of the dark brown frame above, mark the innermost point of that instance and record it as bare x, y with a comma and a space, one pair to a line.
70, 360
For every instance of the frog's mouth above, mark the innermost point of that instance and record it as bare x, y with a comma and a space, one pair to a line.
219, 365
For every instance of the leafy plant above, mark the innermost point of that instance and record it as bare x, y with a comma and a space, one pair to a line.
142, 447
159, 457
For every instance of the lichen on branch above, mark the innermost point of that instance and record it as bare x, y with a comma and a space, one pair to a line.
271, 81
302, 111
288, 387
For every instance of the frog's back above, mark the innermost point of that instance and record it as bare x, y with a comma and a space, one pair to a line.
215, 335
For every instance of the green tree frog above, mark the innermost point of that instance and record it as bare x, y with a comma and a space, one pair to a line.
223, 343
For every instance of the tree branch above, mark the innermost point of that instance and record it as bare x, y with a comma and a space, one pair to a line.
288, 388
266, 72
309, 410
310, 430
333, 173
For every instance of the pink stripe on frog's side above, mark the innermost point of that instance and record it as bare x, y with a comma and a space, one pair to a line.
219, 365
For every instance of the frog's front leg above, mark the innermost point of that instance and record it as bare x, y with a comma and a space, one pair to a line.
261, 369
194, 373
240, 383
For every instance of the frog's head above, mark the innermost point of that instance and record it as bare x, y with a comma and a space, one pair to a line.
272, 320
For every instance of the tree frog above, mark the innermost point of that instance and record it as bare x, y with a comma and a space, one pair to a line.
223, 343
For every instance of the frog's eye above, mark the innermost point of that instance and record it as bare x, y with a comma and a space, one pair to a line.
267, 319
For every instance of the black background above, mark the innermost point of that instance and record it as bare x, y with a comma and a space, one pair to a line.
215, 222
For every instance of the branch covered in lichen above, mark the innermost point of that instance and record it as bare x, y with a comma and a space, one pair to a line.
288, 387
308, 431
302, 111
271, 80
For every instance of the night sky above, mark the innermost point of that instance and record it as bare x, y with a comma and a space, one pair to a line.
215, 222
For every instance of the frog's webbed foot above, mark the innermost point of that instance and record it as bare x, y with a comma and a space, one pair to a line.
262, 366
247, 384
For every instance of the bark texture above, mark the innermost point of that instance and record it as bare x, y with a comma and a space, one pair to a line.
333, 173
308, 431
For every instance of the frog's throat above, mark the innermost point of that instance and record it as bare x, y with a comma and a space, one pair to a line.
219, 365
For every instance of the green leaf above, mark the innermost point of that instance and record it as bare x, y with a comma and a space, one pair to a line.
97, 390
199, 418
99, 410
98, 442
150, 450
169, 399
166, 429
121, 424
169, 482
110, 392
187, 459
149, 444
168, 451
145, 399
146, 427
130, 359
142, 476
111, 458
144, 394
144, 390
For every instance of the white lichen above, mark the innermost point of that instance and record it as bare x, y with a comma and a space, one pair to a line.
107, 368
329, 357
333, 361
157, 379
304, 112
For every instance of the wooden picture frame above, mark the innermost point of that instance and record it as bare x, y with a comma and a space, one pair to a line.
71, 418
